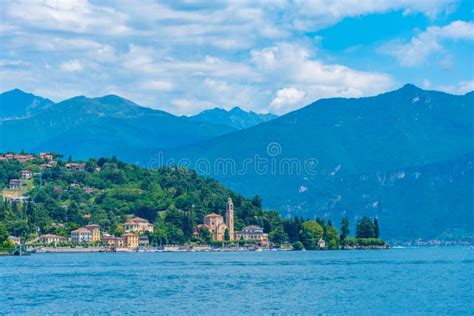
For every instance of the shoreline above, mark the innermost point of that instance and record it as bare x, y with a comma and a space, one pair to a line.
47, 250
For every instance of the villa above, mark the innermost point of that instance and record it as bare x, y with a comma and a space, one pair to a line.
76, 166
81, 235
95, 229
138, 225
130, 240
49, 239
143, 241
255, 233
23, 158
46, 156
26, 174
15, 198
15, 184
112, 241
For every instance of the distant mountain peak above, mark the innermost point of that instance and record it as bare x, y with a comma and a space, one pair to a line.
17, 103
235, 117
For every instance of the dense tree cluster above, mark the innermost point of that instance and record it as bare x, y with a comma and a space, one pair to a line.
174, 199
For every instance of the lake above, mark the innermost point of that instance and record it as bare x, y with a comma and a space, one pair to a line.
402, 281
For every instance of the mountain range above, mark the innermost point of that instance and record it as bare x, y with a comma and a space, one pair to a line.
236, 117
105, 126
406, 156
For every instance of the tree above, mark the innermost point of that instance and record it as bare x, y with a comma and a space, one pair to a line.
205, 234
175, 234
344, 228
187, 225
311, 232
257, 201
365, 228
376, 228
226, 235
298, 245
278, 235
331, 237
3, 233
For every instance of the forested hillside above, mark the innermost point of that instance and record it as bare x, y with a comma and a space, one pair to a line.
106, 191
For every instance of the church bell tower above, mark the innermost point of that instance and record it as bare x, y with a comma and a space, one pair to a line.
229, 217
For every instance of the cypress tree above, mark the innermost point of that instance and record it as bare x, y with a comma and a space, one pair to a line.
376, 228
344, 228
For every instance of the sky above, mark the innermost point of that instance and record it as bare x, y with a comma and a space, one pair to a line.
271, 56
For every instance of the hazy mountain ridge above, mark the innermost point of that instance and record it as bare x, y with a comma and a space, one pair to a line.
236, 117
109, 125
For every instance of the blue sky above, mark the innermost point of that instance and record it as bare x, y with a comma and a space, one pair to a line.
274, 56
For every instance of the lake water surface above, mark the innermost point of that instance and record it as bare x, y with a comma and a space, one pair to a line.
401, 281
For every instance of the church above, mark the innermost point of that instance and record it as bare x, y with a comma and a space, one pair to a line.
216, 225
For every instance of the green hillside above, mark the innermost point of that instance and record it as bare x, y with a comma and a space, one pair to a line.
108, 191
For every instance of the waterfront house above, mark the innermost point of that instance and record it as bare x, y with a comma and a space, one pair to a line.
143, 241
112, 241
253, 232
49, 239
321, 244
16, 240
26, 174
15, 184
138, 225
130, 240
81, 235
95, 230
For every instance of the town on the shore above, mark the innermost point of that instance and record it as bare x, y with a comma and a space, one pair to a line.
33, 182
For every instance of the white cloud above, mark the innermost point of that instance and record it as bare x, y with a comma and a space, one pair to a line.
416, 51
71, 66
462, 87
159, 85
317, 14
77, 16
286, 98
294, 66
186, 56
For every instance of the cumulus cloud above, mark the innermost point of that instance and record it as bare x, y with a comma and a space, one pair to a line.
286, 98
71, 65
186, 56
462, 87
419, 48
296, 67
77, 16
